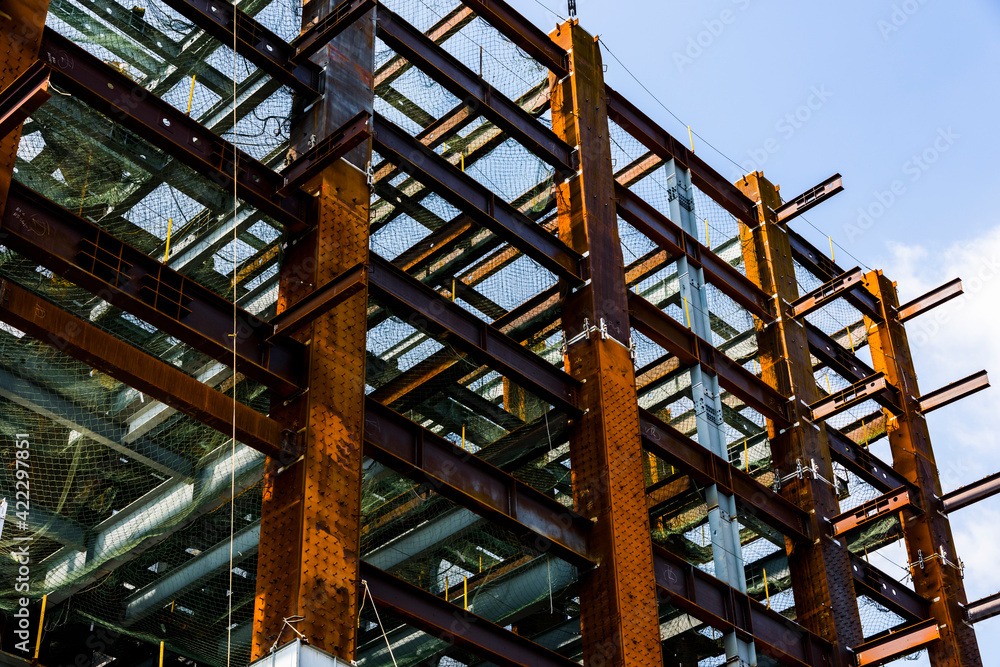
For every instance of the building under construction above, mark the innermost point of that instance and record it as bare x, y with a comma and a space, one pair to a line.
389, 332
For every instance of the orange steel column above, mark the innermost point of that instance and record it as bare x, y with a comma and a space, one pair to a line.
21, 25
825, 601
927, 535
619, 614
310, 526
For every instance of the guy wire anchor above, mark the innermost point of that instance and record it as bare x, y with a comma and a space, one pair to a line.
941, 555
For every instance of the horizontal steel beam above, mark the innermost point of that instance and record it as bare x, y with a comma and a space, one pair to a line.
475, 200
871, 469
471, 482
522, 32
19, 99
932, 299
135, 282
859, 392
166, 127
848, 365
877, 508
451, 623
467, 86
971, 493
669, 236
707, 468
812, 197
896, 643
850, 281
483, 341
953, 392
880, 587
984, 608
811, 258
691, 349
319, 301
714, 602
230, 25
658, 140
323, 29
100, 350
338, 144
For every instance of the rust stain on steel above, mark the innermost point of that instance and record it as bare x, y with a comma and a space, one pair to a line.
913, 457
821, 572
619, 608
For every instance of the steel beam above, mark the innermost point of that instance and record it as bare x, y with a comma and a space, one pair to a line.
471, 482
478, 202
871, 469
96, 427
812, 197
896, 643
847, 365
130, 279
891, 594
326, 152
713, 602
442, 317
971, 493
691, 349
230, 25
464, 84
19, 99
845, 399
85, 342
872, 510
928, 536
669, 236
984, 608
932, 299
428, 612
522, 32
320, 301
850, 281
954, 392
166, 127
808, 256
658, 140
706, 468
321, 30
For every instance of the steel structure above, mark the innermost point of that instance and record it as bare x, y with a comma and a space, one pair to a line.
468, 387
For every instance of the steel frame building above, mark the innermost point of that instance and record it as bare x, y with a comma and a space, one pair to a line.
443, 357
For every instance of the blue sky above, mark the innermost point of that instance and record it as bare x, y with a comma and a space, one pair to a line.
900, 98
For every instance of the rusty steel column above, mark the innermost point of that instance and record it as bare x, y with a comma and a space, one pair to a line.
927, 535
619, 614
21, 25
825, 601
309, 555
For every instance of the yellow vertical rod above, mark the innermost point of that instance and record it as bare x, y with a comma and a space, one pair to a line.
480, 563
446, 587
687, 312
41, 624
465, 591
850, 338
829, 389
161, 646
767, 592
691, 138
463, 437
452, 289
191, 96
170, 225
462, 160
746, 454
708, 241
832, 258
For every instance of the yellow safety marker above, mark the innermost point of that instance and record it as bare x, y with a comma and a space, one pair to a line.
41, 624
463, 437
766, 591
829, 389
832, 258
453, 289
170, 226
191, 96
850, 338
462, 161
446, 588
161, 646
480, 563
708, 241
691, 138
746, 453
465, 591
687, 312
